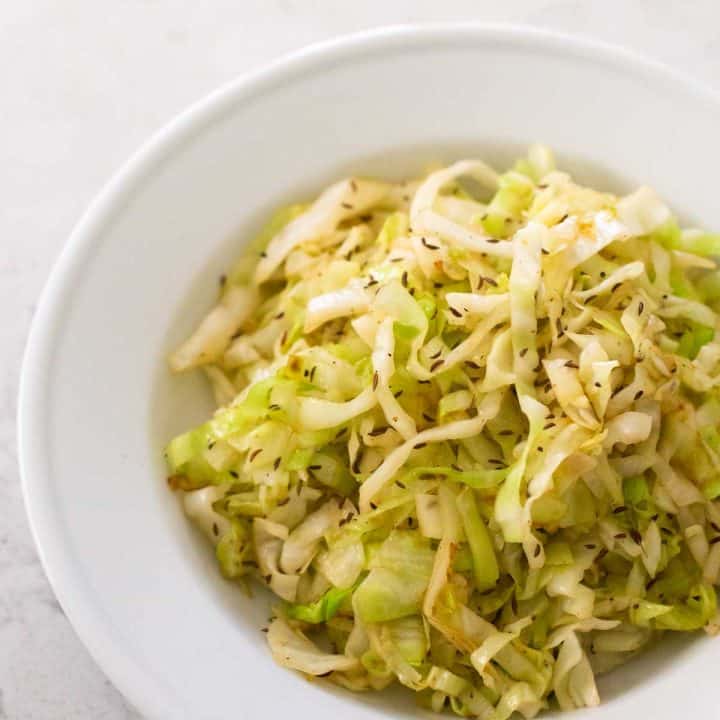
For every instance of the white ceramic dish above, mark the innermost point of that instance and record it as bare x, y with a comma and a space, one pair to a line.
97, 404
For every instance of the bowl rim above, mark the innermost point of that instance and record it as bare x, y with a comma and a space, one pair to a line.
88, 621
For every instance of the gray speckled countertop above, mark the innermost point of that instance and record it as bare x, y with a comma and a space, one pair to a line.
84, 83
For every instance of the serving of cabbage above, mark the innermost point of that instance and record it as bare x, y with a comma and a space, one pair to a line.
467, 433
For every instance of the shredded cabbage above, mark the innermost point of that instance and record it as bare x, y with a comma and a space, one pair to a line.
468, 433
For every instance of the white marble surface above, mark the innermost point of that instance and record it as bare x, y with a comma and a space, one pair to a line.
83, 84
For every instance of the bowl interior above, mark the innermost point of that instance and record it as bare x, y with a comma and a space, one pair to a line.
98, 405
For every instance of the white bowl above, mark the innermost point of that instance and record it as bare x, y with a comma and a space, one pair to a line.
97, 404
